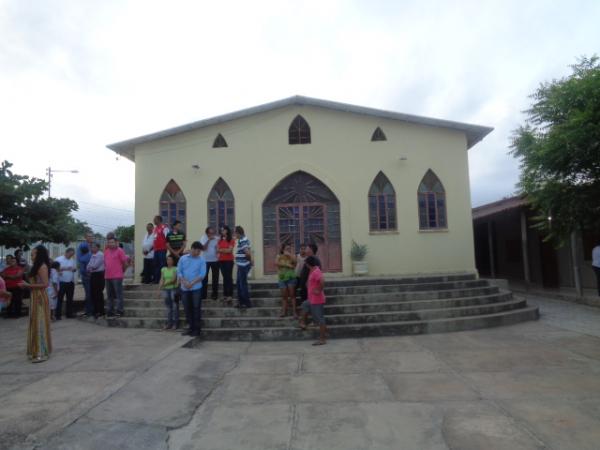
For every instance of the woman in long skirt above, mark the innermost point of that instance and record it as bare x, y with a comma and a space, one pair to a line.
39, 341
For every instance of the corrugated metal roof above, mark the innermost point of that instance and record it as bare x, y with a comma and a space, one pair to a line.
496, 207
474, 133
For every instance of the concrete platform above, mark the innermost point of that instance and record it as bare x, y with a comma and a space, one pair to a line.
534, 385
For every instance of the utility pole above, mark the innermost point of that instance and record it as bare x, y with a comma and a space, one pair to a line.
50, 172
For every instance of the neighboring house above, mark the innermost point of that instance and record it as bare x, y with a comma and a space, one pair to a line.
506, 246
303, 169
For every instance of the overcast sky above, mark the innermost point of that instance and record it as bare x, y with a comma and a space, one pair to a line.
77, 75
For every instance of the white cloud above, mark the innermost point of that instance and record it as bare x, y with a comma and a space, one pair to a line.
77, 75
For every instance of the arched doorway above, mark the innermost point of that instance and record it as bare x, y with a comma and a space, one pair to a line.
299, 209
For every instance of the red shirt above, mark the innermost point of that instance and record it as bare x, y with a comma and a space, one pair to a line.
13, 271
223, 244
160, 237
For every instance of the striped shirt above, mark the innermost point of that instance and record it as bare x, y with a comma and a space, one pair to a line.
240, 255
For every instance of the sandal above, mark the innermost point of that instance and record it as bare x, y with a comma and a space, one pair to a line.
319, 343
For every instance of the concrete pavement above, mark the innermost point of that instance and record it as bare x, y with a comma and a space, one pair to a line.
530, 386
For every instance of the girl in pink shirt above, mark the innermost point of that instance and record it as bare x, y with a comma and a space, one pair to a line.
316, 299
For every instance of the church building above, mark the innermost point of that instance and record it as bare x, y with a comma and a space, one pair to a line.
308, 170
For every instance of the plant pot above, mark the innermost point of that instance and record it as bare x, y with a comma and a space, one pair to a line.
360, 268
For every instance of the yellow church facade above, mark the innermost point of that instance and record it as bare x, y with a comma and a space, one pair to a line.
309, 170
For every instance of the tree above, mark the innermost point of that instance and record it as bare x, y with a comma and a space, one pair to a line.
125, 234
26, 217
559, 152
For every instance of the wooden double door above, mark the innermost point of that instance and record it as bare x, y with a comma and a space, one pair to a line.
312, 218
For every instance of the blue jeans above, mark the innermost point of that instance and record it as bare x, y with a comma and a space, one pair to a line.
172, 307
192, 304
242, 286
114, 291
160, 261
87, 287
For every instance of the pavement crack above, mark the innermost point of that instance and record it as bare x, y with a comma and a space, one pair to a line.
294, 425
219, 382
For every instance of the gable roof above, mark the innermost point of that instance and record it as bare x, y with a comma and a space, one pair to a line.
475, 133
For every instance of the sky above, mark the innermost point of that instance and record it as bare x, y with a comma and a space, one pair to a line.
76, 75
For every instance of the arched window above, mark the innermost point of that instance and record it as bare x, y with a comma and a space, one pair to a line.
172, 204
299, 132
382, 204
221, 210
219, 141
378, 135
432, 203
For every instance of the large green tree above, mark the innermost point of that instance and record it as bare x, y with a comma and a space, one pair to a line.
559, 152
26, 216
125, 234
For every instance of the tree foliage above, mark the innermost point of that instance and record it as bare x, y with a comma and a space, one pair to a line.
125, 234
27, 217
559, 152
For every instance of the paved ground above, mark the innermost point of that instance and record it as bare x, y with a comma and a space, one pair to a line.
529, 386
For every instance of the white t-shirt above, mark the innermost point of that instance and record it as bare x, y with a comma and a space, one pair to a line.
210, 254
596, 256
148, 244
67, 275
53, 280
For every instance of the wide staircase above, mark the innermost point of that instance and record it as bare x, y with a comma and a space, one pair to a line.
355, 307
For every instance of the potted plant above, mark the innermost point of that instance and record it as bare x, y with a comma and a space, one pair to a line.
357, 255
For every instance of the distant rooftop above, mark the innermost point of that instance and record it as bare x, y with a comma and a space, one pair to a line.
499, 206
474, 133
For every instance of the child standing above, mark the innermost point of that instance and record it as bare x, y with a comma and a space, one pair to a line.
316, 299
168, 286
52, 289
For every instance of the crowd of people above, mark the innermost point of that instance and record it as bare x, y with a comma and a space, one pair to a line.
181, 275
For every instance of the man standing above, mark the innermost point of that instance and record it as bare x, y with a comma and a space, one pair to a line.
243, 260
191, 270
176, 241
147, 250
160, 246
83, 258
66, 277
596, 264
95, 268
115, 263
209, 242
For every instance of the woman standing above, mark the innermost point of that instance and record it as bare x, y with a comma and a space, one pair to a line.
225, 253
39, 341
286, 275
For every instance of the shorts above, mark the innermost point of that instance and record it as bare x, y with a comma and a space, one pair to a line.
317, 312
286, 283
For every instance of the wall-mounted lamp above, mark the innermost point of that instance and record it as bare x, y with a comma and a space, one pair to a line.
402, 158
195, 167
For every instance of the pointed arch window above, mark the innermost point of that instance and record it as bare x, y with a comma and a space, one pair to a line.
299, 131
432, 203
220, 141
172, 204
382, 204
221, 207
378, 135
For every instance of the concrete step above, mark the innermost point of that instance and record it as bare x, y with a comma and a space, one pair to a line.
211, 309
464, 323
365, 318
267, 322
345, 281
348, 290
347, 298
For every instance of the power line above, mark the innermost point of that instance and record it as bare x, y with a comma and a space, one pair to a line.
104, 206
